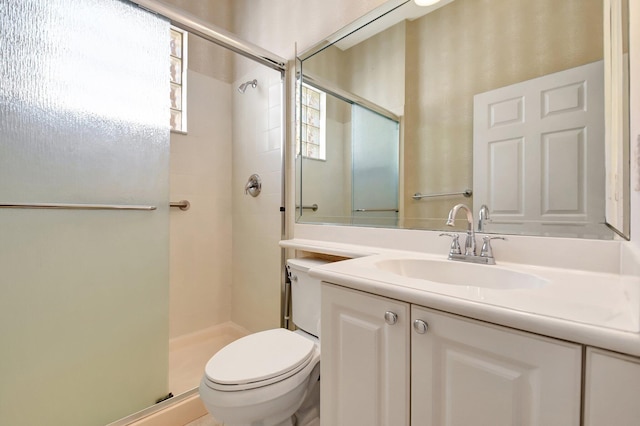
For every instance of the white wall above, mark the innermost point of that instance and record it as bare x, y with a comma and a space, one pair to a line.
276, 25
257, 128
201, 237
635, 121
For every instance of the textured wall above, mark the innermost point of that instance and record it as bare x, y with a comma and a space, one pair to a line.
469, 47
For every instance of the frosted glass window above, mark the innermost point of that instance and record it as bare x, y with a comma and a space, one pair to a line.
311, 141
178, 78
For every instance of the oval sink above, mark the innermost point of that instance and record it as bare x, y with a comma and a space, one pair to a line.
460, 273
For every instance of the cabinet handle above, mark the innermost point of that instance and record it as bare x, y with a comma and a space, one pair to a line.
420, 326
390, 317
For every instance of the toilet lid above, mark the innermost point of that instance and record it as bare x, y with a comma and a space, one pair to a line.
259, 357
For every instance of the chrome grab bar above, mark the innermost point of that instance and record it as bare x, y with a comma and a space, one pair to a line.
418, 196
182, 204
313, 207
376, 210
74, 206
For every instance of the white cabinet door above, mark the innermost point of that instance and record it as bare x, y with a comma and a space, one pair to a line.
365, 360
612, 387
466, 372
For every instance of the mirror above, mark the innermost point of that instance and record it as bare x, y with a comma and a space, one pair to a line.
512, 105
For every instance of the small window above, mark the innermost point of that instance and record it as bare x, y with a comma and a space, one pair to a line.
312, 137
178, 76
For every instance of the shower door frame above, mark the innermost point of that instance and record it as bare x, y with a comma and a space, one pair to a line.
194, 25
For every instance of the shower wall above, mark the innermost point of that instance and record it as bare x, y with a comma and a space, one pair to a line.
200, 238
210, 165
201, 165
257, 221
225, 260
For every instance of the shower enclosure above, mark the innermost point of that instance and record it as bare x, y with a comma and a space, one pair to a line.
102, 286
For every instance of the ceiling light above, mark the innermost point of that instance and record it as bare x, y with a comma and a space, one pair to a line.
426, 2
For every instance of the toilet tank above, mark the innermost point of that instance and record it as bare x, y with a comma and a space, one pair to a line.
305, 294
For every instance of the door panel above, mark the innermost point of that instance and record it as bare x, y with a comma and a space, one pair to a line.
469, 373
557, 178
365, 364
83, 120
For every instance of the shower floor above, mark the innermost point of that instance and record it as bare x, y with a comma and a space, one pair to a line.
189, 354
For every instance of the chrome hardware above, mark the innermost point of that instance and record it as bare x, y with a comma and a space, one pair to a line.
486, 254
418, 196
390, 317
253, 185
182, 205
377, 210
421, 327
64, 206
455, 243
470, 241
313, 207
212, 33
483, 216
486, 250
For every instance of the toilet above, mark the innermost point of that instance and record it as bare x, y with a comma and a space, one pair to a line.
272, 378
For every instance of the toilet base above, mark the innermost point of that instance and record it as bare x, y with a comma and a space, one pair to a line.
309, 412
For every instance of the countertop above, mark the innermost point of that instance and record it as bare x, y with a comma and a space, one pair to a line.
591, 308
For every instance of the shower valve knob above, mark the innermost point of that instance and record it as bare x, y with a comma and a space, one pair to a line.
253, 185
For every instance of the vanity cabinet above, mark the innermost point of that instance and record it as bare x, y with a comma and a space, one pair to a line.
379, 368
466, 372
612, 387
365, 359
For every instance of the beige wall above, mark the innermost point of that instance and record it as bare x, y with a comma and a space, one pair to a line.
467, 48
255, 299
325, 181
277, 25
201, 237
205, 57
225, 260
380, 58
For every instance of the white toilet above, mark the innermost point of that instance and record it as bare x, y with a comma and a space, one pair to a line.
271, 378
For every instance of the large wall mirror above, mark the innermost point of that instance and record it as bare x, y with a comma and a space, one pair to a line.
518, 108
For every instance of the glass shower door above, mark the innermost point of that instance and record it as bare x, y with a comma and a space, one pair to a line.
83, 292
375, 167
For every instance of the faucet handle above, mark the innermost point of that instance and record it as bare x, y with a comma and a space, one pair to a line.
486, 250
455, 243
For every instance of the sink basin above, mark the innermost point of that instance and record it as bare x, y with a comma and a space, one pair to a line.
461, 274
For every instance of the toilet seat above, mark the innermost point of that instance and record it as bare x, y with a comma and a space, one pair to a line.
258, 360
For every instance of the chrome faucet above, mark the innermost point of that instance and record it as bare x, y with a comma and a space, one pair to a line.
470, 242
486, 254
483, 216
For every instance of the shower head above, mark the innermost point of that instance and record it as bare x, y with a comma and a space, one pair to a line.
253, 83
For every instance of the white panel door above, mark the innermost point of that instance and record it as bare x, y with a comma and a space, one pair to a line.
466, 372
365, 360
538, 151
611, 389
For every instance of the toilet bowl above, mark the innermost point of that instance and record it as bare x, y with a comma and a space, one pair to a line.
271, 378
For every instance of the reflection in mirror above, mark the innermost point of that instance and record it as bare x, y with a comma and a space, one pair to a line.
349, 154
501, 100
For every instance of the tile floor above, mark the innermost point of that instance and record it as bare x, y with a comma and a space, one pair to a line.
205, 421
188, 355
